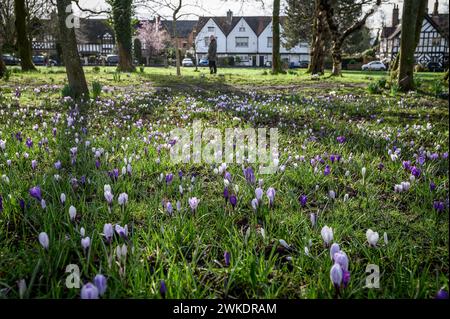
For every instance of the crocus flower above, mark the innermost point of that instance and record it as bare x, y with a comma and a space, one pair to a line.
35, 192
29, 142
303, 199
226, 194
415, 171
169, 178
33, 164
259, 193
334, 249
58, 165
254, 204
163, 288
340, 139
271, 195
249, 175
233, 200
72, 212
193, 202
332, 194
341, 259
85, 243
336, 275
43, 240
345, 278
385, 237
101, 283
226, 257
43, 204
372, 237
227, 176
327, 170
123, 199
432, 186
89, 291
313, 218
62, 198
438, 206
122, 231
108, 232
169, 208
327, 234
441, 294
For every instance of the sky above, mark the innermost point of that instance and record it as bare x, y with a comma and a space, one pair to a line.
196, 8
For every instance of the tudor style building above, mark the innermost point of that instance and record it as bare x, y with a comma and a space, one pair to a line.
433, 44
247, 39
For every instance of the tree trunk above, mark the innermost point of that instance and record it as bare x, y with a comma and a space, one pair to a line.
276, 59
74, 70
412, 18
23, 42
317, 53
121, 14
177, 46
2, 63
336, 54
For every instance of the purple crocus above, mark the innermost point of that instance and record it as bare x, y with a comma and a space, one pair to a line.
303, 200
33, 164
226, 257
100, 283
432, 186
438, 206
441, 294
336, 275
162, 288
415, 171
114, 174
58, 165
169, 178
380, 166
226, 194
406, 165
340, 139
89, 291
97, 163
29, 142
227, 176
271, 195
346, 278
249, 175
327, 170
35, 192
233, 200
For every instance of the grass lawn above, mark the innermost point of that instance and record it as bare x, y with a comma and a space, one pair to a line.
348, 160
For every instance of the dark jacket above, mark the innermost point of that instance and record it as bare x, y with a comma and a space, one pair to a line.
212, 51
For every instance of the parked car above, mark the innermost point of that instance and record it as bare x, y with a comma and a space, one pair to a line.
374, 66
112, 60
203, 62
39, 60
187, 62
303, 64
10, 59
52, 62
434, 67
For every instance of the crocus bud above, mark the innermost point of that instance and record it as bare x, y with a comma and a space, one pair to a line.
333, 250
89, 291
43, 240
226, 257
336, 275
85, 242
100, 283
327, 234
72, 212
372, 237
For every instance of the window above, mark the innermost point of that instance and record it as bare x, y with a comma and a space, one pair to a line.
241, 29
269, 42
242, 42
210, 29
206, 41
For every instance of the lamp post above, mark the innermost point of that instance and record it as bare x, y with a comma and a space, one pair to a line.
194, 45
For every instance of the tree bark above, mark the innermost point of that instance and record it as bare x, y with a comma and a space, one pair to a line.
317, 53
2, 63
412, 18
121, 13
175, 34
23, 42
276, 59
74, 70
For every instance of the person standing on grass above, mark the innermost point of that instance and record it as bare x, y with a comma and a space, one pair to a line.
212, 55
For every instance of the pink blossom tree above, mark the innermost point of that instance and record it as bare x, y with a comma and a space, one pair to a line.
154, 38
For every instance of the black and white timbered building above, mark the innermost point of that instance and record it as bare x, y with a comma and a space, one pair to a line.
433, 44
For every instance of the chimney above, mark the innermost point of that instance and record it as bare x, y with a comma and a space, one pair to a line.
436, 8
395, 16
229, 16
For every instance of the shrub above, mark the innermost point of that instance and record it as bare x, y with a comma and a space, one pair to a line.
291, 72
437, 88
394, 89
7, 75
141, 68
96, 89
382, 83
96, 69
265, 72
66, 91
374, 88
116, 76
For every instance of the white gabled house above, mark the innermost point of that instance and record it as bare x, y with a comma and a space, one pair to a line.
247, 39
